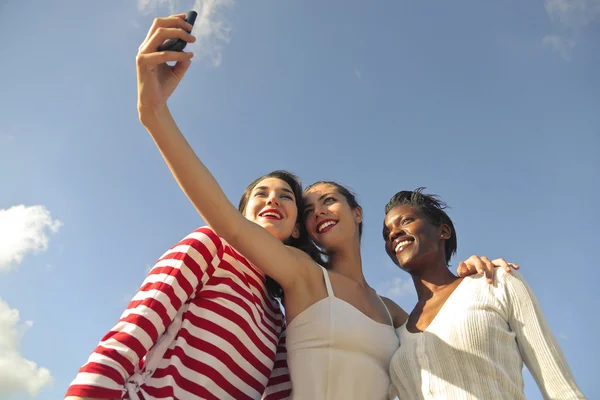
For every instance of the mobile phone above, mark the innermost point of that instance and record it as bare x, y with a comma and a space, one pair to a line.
176, 44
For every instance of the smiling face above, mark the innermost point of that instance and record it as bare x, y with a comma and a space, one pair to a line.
272, 205
329, 219
412, 241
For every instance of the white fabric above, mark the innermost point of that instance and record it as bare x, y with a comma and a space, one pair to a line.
335, 352
476, 345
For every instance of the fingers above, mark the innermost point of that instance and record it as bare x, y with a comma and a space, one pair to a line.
462, 269
172, 21
181, 67
508, 267
162, 34
476, 265
160, 57
501, 262
488, 269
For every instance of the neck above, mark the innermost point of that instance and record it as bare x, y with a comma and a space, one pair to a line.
432, 278
348, 261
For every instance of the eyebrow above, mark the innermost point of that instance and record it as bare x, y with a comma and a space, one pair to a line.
308, 206
400, 217
394, 220
267, 188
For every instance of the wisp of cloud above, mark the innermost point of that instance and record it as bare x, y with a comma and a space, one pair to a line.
572, 17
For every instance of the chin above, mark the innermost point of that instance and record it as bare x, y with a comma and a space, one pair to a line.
410, 267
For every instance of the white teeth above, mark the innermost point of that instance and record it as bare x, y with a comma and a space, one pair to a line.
326, 224
400, 245
270, 214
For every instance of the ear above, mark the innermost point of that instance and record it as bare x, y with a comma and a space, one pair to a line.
296, 232
445, 232
358, 214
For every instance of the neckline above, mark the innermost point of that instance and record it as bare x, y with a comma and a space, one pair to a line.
365, 315
290, 324
403, 326
331, 293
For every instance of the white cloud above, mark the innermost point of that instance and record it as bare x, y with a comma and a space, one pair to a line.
24, 230
399, 288
560, 44
17, 374
571, 17
211, 29
573, 14
357, 73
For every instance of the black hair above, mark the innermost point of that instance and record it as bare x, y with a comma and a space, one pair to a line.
432, 207
303, 242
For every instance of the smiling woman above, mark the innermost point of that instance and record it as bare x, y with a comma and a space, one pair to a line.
192, 328
464, 338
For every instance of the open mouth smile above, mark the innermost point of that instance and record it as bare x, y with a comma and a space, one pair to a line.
402, 243
326, 225
271, 214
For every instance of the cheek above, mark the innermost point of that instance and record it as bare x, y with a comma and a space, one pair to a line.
251, 209
390, 251
292, 212
310, 226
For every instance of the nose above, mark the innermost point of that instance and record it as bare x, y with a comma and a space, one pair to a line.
320, 211
397, 233
272, 199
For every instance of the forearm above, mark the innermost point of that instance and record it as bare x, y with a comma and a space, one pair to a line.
191, 174
196, 181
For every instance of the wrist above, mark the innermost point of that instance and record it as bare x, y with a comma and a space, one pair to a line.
153, 115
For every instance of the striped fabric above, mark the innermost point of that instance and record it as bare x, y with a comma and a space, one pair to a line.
202, 326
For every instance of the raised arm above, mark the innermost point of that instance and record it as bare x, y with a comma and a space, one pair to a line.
175, 277
539, 348
156, 81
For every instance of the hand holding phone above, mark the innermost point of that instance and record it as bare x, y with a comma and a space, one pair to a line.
178, 44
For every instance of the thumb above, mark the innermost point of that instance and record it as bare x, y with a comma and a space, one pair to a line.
181, 67
461, 270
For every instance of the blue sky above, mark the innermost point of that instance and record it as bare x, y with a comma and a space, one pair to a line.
492, 106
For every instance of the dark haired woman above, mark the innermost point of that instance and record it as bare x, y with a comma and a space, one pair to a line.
464, 339
205, 323
304, 282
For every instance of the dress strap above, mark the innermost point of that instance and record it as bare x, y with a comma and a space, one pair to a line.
327, 282
388, 311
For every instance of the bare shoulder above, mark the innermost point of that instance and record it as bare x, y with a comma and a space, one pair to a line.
307, 268
399, 316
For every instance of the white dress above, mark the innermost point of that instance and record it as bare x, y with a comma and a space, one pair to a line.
335, 352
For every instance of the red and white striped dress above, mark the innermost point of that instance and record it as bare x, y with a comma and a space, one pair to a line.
202, 326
